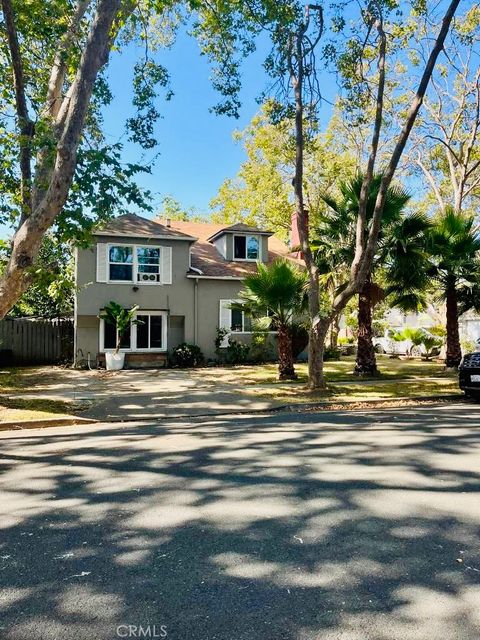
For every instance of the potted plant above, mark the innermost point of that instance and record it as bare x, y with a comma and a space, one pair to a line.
120, 318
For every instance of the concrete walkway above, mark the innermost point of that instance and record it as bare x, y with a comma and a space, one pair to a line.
132, 394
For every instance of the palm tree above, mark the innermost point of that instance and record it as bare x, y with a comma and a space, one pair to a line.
275, 296
335, 246
454, 245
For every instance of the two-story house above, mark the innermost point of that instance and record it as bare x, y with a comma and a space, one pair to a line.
182, 275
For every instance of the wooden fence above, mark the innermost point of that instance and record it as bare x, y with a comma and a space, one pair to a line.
37, 340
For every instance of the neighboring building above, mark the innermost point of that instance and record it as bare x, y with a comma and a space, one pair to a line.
183, 275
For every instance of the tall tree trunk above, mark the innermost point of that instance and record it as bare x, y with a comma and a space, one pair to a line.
454, 351
69, 124
366, 362
316, 334
286, 370
334, 331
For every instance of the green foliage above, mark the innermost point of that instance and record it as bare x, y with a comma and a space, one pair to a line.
280, 288
187, 355
121, 318
261, 349
52, 290
331, 354
262, 194
237, 352
454, 245
432, 344
221, 334
172, 209
416, 336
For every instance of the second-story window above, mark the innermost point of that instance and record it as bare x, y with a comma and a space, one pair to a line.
136, 264
246, 248
148, 264
120, 263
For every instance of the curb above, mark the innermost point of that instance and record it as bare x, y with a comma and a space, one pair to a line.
47, 422
326, 406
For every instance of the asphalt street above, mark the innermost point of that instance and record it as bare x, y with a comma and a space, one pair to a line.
325, 526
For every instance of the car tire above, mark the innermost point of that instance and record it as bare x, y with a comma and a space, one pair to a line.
379, 349
416, 352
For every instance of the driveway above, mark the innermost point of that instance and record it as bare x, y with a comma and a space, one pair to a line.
137, 394
282, 527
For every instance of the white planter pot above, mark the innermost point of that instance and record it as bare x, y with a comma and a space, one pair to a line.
114, 361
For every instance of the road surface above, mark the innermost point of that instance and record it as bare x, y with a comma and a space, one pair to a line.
283, 527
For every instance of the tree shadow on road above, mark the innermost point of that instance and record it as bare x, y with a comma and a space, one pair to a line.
245, 529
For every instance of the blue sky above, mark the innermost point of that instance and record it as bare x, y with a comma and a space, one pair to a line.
196, 148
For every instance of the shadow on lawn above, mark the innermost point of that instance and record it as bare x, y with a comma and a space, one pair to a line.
245, 529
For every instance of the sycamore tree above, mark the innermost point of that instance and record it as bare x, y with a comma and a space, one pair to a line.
55, 163
370, 41
261, 193
446, 147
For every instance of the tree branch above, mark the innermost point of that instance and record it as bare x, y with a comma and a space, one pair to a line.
357, 280
25, 125
432, 182
377, 127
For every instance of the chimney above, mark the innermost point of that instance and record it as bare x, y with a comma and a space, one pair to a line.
168, 223
294, 235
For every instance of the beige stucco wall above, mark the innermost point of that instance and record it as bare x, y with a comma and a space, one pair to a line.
210, 292
92, 296
178, 299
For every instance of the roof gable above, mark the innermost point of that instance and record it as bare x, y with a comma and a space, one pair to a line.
206, 258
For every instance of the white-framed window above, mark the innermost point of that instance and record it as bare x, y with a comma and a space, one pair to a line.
234, 320
246, 247
149, 335
120, 263
147, 263
134, 264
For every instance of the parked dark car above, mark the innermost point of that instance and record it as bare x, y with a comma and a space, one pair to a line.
469, 374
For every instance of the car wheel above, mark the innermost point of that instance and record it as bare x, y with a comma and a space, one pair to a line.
379, 349
416, 352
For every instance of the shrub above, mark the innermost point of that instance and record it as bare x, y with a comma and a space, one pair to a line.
261, 349
221, 334
237, 352
186, 355
331, 354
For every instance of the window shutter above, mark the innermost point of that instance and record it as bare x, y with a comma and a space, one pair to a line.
225, 320
102, 262
166, 265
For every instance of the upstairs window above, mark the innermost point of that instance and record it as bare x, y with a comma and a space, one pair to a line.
246, 247
148, 264
136, 264
120, 259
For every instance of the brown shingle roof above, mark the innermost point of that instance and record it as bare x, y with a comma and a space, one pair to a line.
206, 257
242, 228
137, 227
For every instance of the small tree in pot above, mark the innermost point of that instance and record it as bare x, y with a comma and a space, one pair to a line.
121, 318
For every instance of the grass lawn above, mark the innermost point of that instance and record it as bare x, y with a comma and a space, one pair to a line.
292, 394
14, 408
399, 378
335, 371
